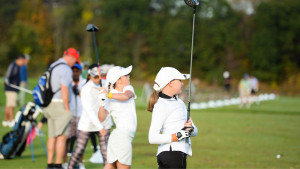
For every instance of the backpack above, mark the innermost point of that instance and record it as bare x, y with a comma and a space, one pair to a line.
42, 92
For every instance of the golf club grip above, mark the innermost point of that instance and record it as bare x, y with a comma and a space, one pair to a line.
99, 75
188, 112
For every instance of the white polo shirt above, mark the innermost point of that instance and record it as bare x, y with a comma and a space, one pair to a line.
89, 120
123, 112
168, 117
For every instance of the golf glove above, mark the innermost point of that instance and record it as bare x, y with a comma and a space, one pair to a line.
182, 134
102, 98
189, 129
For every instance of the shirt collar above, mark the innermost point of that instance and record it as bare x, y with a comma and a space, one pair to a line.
162, 95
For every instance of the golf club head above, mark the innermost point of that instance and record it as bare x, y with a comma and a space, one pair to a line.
91, 28
191, 3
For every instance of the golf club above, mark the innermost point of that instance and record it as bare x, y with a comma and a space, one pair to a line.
193, 4
20, 88
93, 28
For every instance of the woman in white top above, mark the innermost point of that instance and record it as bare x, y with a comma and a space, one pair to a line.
121, 106
89, 121
169, 125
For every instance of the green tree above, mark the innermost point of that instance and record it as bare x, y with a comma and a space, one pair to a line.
275, 46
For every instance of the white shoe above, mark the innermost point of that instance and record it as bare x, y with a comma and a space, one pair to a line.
38, 132
65, 165
5, 123
97, 158
11, 123
81, 166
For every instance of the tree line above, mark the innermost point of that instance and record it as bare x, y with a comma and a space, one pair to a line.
150, 34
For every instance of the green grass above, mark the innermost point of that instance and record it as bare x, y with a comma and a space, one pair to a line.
228, 137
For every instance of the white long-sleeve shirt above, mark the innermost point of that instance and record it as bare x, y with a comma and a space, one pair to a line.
89, 120
168, 117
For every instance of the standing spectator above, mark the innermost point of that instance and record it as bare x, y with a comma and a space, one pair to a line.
121, 106
76, 109
75, 104
24, 76
12, 77
58, 111
227, 81
245, 89
169, 124
254, 89
96, 157
89, 121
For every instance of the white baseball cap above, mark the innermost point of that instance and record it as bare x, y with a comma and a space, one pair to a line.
93, 71
105, 68
167, 74
116, 72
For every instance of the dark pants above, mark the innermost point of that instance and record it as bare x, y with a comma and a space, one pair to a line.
171, 159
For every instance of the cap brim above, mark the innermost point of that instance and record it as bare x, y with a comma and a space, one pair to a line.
183, 76
126, 71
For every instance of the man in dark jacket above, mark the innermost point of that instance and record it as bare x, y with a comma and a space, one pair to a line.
12, 77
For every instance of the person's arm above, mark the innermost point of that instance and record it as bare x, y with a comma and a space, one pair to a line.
102, 114
65, 96
122, 96
23, 74
8, 74
156, 137
118, 96
195, 132
157, 121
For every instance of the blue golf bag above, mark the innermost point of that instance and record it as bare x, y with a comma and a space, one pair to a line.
14, 142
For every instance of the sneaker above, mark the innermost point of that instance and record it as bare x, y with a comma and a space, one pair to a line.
65, 165
97, 158
38, 132
81, 166
5, 123
11, 124
69, 154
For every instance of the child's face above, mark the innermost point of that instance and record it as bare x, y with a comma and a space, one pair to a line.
177, 86
124, 80
95, 80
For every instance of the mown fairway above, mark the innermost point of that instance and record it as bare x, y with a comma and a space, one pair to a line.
228, 137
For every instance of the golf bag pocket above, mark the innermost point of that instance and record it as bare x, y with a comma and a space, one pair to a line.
42, 92
8, 145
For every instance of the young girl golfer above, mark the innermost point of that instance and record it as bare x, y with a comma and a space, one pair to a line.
169, 126
89, 121
121, 106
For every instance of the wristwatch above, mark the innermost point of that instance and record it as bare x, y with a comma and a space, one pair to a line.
178, 135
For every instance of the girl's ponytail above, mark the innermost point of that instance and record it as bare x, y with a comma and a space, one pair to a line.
152, 100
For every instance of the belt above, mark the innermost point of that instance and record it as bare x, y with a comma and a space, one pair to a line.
57, 100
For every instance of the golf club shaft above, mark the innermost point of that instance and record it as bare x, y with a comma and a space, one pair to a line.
20, 88
191, 66
95, 46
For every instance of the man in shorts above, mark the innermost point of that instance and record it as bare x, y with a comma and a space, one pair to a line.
12, 77
58, 111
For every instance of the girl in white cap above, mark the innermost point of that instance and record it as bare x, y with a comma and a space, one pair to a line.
121, 106
89, 121
169, 126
